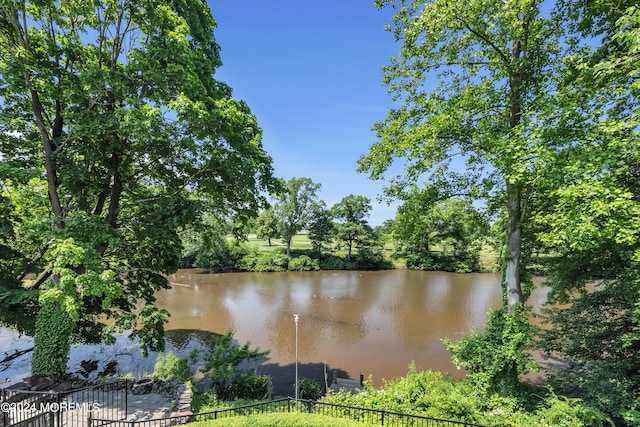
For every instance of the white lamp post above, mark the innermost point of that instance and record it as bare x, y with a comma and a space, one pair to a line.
295, 318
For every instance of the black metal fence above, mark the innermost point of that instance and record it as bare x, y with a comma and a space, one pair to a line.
28, 408
371, 416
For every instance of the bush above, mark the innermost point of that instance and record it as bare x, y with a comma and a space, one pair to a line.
332, 262
170, 367
244, 386
303, 263
435, 395
310, 389
218, 254
275, 260
226, 364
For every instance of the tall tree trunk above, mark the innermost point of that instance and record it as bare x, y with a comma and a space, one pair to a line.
513, 287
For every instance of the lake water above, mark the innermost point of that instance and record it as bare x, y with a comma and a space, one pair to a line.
350, 322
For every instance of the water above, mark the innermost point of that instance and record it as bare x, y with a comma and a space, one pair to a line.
371, 323
351, 322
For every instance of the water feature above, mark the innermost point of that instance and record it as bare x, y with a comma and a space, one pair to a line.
369, 322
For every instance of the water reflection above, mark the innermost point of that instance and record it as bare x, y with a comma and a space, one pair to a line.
374, 323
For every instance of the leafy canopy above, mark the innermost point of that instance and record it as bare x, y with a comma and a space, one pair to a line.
114, 134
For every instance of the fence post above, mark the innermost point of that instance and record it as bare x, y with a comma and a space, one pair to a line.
5, 414
383, 412
126, 398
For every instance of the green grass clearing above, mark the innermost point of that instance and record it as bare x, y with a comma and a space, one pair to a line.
282, 419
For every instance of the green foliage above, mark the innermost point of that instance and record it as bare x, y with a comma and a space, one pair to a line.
206, 246
434, 395
285, 419
597, 331
321, 229
267, 225
333, 262
225, 364
309, 389
496, 358
170, 367
275, 260
54, 328
303, 263
425, 393
589, 222
563, 412
352, 212
295, 206
108, 150
246, 386
454, 226
472, 83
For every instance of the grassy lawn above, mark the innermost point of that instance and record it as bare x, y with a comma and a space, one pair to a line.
300, 241
281, 419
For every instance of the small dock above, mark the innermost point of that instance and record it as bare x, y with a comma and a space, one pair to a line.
347, 384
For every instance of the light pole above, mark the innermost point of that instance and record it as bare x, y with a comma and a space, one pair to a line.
295, 318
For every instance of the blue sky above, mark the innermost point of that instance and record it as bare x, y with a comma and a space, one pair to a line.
311, 73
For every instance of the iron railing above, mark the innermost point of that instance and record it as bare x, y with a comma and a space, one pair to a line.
289, 404
21, 408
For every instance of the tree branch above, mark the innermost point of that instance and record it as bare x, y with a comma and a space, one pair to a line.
34, 260
484, 38
14, 355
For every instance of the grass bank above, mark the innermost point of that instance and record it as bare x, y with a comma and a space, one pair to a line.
281, 419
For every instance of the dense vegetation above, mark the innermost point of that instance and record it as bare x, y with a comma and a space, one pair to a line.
450, 235
121, 157
114, 135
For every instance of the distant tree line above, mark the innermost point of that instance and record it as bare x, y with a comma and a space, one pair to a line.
447, 235
341, 228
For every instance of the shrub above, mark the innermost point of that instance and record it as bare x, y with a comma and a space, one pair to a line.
275, 260
170, 367
332, 262
303, 263
225, 364
244, 386
496, 357
310, 389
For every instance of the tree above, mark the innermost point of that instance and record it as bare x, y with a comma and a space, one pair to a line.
453, 225
470, 82
205, 245
352, 211
321, 228
231, 368
267, 225
295, 206
590, 221
412, 229
114, 134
